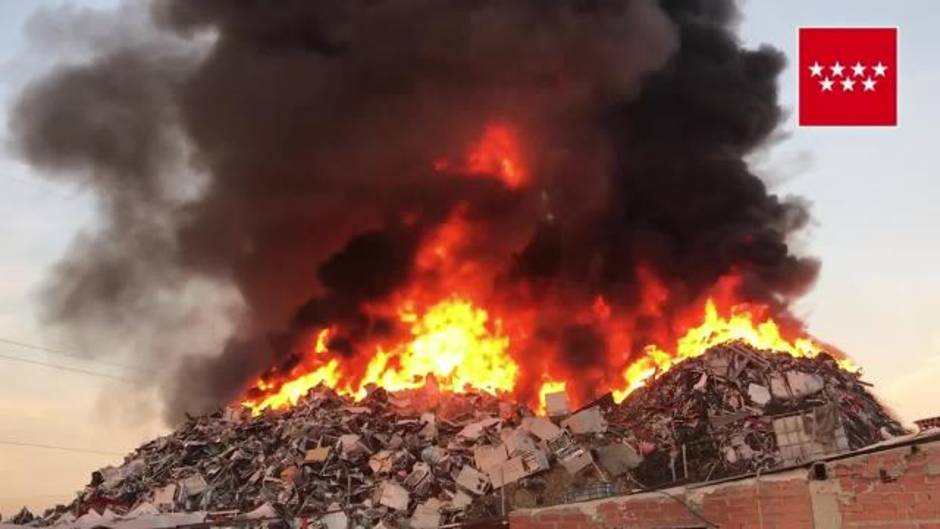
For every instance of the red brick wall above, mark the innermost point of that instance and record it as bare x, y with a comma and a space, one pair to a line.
894, 488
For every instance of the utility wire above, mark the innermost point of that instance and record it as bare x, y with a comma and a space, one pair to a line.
65, 368
63, 448
69, 354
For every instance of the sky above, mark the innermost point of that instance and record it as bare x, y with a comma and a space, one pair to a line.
874, 203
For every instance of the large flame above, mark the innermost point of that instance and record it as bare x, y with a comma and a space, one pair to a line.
456, 343
452, 341
745, 324
453, 327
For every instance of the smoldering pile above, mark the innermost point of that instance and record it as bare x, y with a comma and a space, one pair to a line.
737, 410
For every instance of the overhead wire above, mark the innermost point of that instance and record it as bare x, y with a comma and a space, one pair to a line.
69, 354
57, 447
65, 368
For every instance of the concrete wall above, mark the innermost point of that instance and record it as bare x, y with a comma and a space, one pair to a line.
893, 488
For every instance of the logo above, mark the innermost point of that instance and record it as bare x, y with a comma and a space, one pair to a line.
848, 76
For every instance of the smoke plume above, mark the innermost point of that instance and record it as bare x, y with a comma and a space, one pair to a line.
285, 151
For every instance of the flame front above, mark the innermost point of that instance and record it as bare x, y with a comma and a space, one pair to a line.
744, 324
452, 341
457, 344
457, 320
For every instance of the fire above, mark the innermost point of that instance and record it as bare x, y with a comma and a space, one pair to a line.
291, 392
452, 328
456, 342
744, 324
453, 341
497, 154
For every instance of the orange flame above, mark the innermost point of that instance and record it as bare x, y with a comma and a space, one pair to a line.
453, 341
496, 154
456, 329
742, 325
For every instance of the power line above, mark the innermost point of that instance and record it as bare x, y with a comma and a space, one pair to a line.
69, 354
65, 368
63, 448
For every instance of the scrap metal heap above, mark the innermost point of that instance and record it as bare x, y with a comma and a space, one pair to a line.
738, 410
425, 458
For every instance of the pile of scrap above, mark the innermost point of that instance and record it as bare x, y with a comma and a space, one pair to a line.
424, 459
737, 410
420, 459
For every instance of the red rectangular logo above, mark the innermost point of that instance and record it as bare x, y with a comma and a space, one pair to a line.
848, 76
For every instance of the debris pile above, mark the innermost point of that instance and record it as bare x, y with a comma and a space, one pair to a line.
736, 410
416, 459
425, 458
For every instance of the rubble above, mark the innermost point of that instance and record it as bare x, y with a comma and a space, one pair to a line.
556, 404
473, 480
426, 459
541, 427
618, 458
736, 410
586, 421
394, 496
409, 458
427, 515
571, 455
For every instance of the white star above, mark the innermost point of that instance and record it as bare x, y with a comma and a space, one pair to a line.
816, 69
879, 69
847, 85
858, 69
826, 84
836, 69
869, 84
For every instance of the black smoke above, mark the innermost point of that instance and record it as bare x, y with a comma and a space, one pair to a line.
304, 130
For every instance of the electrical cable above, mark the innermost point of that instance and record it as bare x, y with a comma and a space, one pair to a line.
63, 448
65, 368
68, 354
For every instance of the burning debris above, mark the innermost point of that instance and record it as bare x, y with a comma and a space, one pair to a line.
737, 410
426, 458
406, 240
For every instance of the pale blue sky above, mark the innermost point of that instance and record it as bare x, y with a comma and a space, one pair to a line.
874, 195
